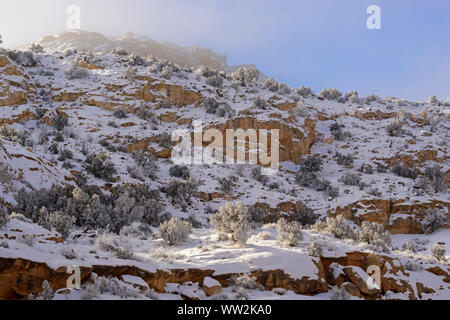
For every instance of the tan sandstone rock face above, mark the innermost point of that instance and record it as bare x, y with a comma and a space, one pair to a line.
20, 277
381, 211
12, 92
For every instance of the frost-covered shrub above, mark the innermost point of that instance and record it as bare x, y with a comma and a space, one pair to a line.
175, 231
58, 220
215, 81
130, 73
344, 160
289, 233
256, 174
315, 249
375, 192
119, 246
404, 171
110, 286
14, 135
146, 165
225, 110
339, 227
120, 113
352, 97
271, 84
435, 178
375, 235
167, 72
36, 48
311, 164
101, 166
260, 103
350, 179
119, 51
339, 294
412, 266
3, 216
394, 129
245, 76
330, 94
136, 60
305, 179
372, 98
434, 220
304, 91
65, 155
305, 216
46, 293
76, 72
246, 282
438, 251
256, 215
24, 58
165, 140
227, 183
144, 113
233, 218
337, 132
180, 172
434, 101
210, 105
181, 192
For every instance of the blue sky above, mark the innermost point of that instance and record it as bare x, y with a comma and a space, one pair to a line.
319, 43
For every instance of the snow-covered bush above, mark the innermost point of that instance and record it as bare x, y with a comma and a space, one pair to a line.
305, 92
352, 97
136, 60
304, 215
233, 218
245, 76
119, 246
434, 178
372, 98
58, 220
175, 231
119, 51
3, 216
434, 220
146, 165
271, 84
181, 192
110, 286
256, 174
305, 179
101, 166
311, 164
337, 132
76, 72
14, 135
315, 249
403, 171
350, 179
375, 235
344, 160
167, 72
227, 183
245, 281
210, 105
434, 101
339, 227
339, 294
24, 58
36, 48
289, 233
260, 103
165, 140
120, 113
394, 129
215, 81
330, 94
46, 293
180, 172
438, 251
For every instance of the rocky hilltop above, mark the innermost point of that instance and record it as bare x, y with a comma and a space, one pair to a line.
87, 180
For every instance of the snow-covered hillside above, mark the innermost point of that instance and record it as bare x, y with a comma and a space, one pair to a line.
87, 180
